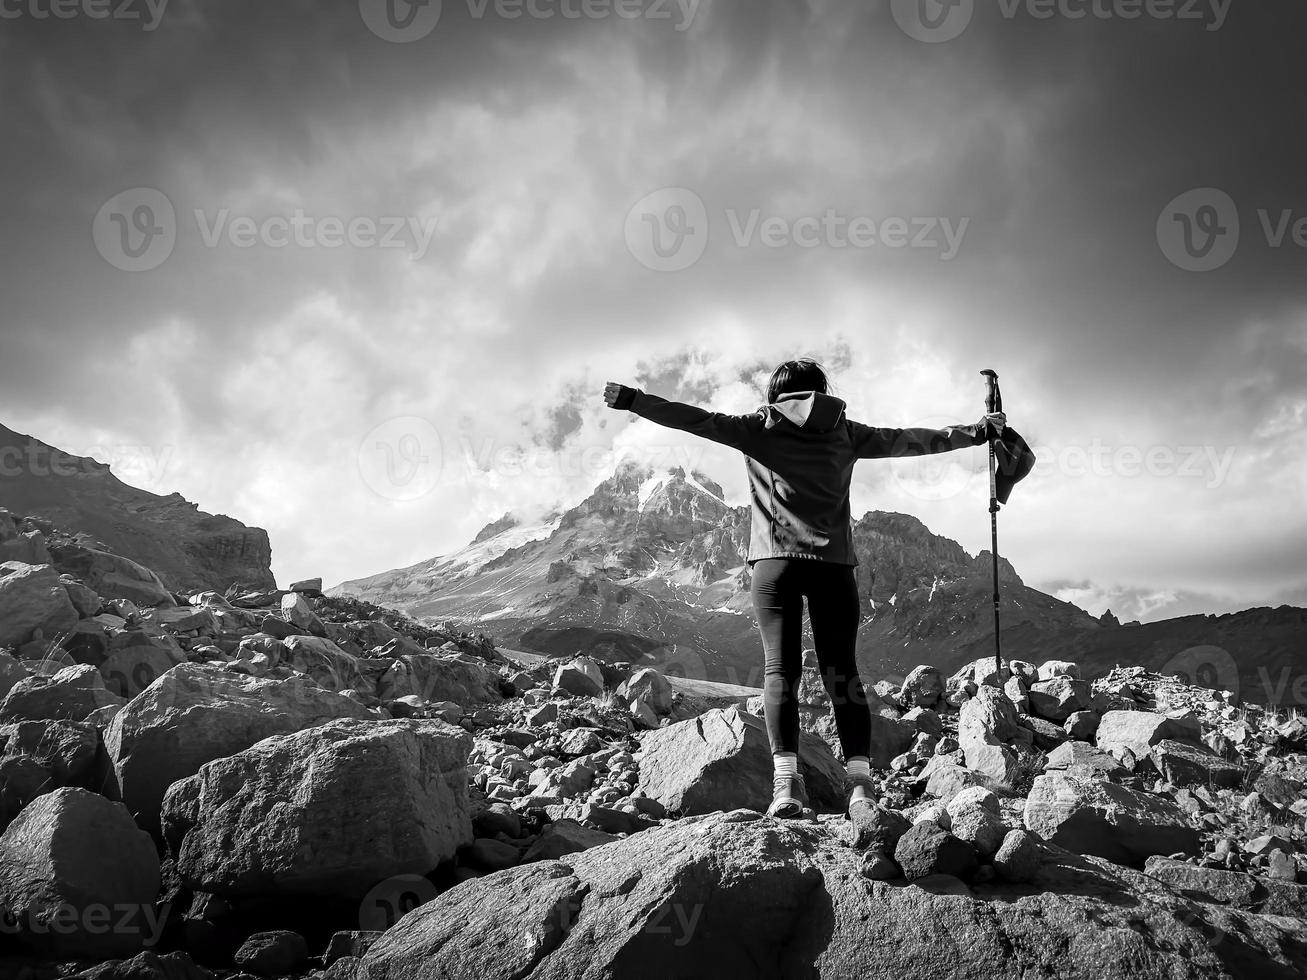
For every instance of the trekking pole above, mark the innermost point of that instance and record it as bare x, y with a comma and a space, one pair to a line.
994, 403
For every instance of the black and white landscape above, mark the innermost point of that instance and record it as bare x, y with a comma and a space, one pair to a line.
346, 633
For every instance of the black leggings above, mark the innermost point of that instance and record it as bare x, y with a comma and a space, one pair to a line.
778, 588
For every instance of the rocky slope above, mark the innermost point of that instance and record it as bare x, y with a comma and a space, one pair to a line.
281, 784
186, 547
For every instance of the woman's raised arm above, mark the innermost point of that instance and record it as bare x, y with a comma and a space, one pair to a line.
737, 431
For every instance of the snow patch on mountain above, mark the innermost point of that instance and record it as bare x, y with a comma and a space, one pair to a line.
468, 561
649, 487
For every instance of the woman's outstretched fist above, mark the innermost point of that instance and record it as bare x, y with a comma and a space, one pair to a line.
997, 422
618, 396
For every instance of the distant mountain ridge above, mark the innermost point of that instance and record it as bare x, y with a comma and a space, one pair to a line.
186, 547
651, 568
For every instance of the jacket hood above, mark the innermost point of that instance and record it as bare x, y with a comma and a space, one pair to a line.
811, 411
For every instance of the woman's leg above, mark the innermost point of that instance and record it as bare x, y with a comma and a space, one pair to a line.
778, 607
834, 610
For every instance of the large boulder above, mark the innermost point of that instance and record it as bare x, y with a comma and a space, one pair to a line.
112, 576
11, 672
67, 751
196, 713
987, 721
136, 659
737, 895
1058, 698
922, 688
651, 687
78, 878
73, 693
1108, 820
440, 677
1190, 764
323, 662
1138, 731
295, 609
580, 676
32, 599
328, 811
722, 760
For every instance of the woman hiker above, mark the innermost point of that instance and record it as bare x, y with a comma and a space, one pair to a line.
799, 454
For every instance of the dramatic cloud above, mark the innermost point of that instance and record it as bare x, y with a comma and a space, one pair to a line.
402, 272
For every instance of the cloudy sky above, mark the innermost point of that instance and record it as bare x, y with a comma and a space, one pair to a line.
357, 273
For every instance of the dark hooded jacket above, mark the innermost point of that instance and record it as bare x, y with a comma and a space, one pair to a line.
799, 455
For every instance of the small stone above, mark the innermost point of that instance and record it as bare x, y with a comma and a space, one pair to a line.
1019, 857
927, 849
877, 867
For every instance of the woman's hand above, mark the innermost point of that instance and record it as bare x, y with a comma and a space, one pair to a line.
997, 422
618, 396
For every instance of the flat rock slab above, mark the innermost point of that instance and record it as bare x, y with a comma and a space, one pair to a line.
722, 760
775, 899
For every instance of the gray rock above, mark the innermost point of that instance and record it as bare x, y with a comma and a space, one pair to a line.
66, 750
33, 600
272, 954
323, 662
722, 760
1138, 731
1082, 725
985, 723
1123, 825
1082, 758
922, 688
196, 713
581, 676
1019, 857
651, 687
927, 849
326, 811
1058, 698
1190, 764
441, 677
113, 576
488, 854
78, 877
876, 827
1051, 669
296, 610
774, 899
565, 837
73, 693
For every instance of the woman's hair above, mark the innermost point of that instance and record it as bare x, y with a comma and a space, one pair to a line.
805, 374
